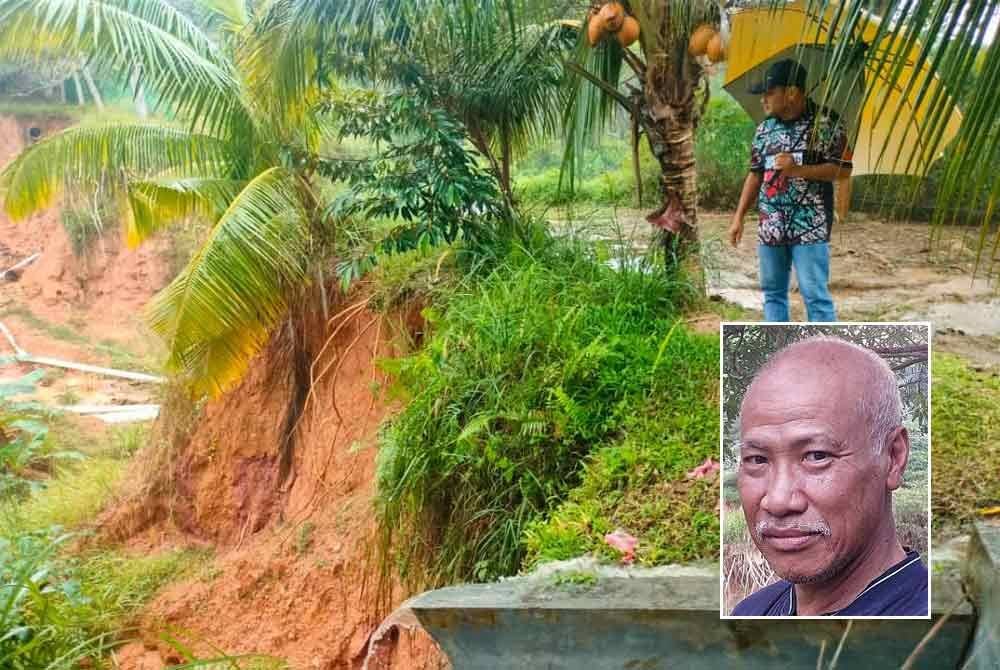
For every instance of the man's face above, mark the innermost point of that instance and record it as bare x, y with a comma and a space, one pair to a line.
812, 488
776, 100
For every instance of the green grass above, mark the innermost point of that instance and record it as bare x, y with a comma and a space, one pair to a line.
638, 483
74, 599
57, 331
116, 584
34, 110
965, 444
549, 359
69, 501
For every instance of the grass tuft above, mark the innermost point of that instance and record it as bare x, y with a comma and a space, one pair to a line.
69, 500
553, 356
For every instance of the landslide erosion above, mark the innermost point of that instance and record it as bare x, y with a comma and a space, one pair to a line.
295, 573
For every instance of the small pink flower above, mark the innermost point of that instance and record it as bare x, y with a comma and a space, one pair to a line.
704, 470
624, 543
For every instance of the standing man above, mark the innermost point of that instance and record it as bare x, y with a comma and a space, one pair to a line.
797, 153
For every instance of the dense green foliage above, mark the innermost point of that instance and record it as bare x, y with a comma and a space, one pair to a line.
637, 482
422, 187
56, 610
25, 450
551, 357
606, 175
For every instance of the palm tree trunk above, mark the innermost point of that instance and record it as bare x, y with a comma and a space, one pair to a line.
669, 111
499, 168
671, 140
505, 158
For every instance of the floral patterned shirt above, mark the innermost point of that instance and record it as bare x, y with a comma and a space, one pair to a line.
794, 210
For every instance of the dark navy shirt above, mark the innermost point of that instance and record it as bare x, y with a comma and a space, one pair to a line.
899, 591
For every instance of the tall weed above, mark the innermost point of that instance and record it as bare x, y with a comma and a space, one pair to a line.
529, 370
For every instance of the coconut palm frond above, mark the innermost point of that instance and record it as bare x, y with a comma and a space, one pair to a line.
157, 203
951, 39
219, 310
179, 65
84, 156
512, 87
593, 77
232, 13
281, 69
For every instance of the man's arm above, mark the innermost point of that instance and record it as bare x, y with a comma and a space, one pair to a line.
751, 187
822, 172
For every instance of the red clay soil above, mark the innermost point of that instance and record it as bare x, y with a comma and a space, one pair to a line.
294, 574
100, 295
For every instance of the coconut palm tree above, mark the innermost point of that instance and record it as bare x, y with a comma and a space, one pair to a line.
240, 148
230, 154
667, 90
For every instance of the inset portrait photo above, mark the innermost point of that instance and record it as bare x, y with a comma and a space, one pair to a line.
825, 454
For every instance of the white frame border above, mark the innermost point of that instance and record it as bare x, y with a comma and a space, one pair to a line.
930, 467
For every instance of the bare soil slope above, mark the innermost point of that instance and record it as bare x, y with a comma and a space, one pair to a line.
99, 295
295, 574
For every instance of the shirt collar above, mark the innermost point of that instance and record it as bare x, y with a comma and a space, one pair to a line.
910, 558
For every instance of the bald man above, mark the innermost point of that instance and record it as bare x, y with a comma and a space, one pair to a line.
822, 448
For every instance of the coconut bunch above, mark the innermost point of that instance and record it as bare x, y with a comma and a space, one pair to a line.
707, 41
612, 19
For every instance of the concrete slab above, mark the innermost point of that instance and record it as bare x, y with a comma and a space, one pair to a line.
982, 578
648, 622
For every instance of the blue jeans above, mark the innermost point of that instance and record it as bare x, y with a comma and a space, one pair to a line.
812, 267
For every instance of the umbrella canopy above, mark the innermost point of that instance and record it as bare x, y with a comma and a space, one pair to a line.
888, 124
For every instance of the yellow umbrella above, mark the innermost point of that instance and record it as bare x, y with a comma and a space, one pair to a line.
886, 143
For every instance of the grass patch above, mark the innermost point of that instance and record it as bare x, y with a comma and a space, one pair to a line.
550, 358
116, 355
69, 500
69, 611
965, 443
68, 606
56, 331
115, 585
44, 110
637, 483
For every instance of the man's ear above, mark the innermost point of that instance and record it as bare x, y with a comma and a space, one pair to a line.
897, 447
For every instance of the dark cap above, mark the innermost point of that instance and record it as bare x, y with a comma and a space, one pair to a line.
781, 73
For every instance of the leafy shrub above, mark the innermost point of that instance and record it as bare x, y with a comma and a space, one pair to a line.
59, 611
546, 360
722, 153
24, 447
35, 631
424, 182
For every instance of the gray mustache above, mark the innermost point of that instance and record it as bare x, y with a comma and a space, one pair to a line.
803, 526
